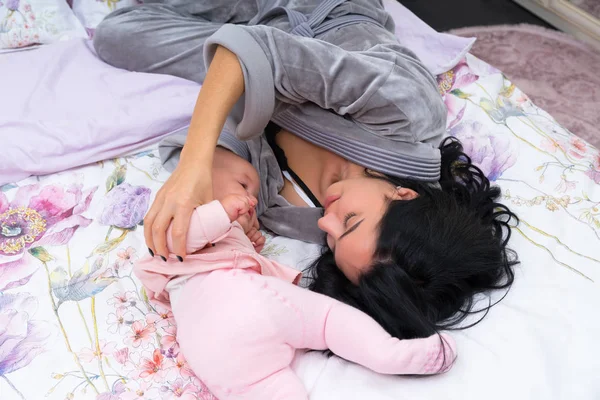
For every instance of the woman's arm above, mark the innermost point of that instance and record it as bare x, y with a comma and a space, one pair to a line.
383, 87
190, 185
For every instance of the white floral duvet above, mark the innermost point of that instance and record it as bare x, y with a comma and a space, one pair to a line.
76, 324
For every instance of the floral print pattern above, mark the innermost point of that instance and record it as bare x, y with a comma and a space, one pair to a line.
29, 22
126, 206
82, 325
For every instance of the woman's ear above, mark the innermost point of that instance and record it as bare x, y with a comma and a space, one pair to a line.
402, 193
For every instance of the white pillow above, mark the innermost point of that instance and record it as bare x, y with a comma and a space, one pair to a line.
92, 12
27, 22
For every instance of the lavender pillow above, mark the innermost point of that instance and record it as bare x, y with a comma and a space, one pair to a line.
63, 108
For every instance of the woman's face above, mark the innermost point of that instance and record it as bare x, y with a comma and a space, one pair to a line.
353, 209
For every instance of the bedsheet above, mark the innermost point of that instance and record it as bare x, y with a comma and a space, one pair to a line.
76, 324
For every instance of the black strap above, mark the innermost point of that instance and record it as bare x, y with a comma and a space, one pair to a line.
270, 132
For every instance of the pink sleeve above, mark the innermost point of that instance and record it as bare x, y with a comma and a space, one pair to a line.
209, 223
355, 336
351, 334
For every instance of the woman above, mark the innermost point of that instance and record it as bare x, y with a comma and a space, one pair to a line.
361, 120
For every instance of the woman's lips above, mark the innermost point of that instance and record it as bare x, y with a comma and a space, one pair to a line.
329, 200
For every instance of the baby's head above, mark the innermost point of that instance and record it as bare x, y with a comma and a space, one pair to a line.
232, 175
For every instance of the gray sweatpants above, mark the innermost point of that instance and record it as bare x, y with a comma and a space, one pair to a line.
166, 37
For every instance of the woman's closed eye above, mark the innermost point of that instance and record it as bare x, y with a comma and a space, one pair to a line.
347, 219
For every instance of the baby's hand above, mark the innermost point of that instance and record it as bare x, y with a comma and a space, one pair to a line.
255, 236
236, 205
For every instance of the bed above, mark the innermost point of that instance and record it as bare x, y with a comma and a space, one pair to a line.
76, 324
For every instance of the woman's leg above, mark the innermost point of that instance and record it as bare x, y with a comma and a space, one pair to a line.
165, 38
154, 38
223, 11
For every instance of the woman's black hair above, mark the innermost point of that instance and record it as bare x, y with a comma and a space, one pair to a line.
434, 253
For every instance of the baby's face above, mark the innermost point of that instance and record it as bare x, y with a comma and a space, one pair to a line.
234, 175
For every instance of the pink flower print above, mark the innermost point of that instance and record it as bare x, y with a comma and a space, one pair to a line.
565, 185
125, 259
593, 175
27, 8
22, 338
552, 145
162, 318
179, 366
123, 299
169, 340
458, 77
119, 321
12, 5
106, 349
578, 149
204, 393
594, 172
181, 390
37, 216
152, 367
139, 390
140, 335
114, 394
122, 356
523, 98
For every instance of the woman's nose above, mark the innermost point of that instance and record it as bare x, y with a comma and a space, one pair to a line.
330, 225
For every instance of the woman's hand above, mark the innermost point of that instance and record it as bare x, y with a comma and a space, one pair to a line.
188, 187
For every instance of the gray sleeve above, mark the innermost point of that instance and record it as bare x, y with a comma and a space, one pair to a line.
385, 89
169, 148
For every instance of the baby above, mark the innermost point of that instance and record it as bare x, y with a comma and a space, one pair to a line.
241, 317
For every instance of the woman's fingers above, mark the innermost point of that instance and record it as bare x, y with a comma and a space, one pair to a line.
159, 233
149, 222
181, 224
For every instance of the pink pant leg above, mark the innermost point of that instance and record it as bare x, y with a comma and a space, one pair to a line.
282, 385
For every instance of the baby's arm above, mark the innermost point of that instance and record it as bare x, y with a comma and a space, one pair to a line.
355, 336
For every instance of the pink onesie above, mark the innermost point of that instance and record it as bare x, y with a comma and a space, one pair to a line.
240, 317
